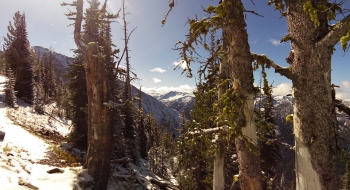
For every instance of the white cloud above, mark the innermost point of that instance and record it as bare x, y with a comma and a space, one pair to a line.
157, 69
181, 63
275, 42
165, 89
346, 84
344, 91
54, 42
282, 89
155, 80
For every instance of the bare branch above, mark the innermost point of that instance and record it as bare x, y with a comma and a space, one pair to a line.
253, 12
171, 5
78, 22
333, 36
210, 131
262, 59
121, 58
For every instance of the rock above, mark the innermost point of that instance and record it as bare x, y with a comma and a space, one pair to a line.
65, 146
55, 170
2, 136
10, 154
76, 187
83, 156
27, 184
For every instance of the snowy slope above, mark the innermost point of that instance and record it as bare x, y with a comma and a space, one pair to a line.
25, 159
161, 112
20, 152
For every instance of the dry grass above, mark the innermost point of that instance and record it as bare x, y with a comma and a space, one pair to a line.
7, 148
64, 155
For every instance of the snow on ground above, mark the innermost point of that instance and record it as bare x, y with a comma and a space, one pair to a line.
21, 151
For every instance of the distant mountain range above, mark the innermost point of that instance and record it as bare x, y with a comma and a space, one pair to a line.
182, 102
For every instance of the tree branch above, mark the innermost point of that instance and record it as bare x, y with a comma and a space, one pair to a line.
333, 36
209, 131
77, 27
121, 58
262, 59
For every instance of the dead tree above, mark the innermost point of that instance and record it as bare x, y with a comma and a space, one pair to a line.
99, 130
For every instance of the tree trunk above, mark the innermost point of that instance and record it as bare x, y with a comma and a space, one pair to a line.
240, 62
99, 130
315, 124
218, 172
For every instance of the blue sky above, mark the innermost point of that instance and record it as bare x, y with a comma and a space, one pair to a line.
152, 57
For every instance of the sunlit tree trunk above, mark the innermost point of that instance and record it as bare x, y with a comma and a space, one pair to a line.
241, 73
315, 124
99, 130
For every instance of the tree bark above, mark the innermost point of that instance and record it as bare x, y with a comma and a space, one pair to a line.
315, 124
218, 172
99, 130
241, 73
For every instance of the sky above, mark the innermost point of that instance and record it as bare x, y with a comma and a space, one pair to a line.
152, 56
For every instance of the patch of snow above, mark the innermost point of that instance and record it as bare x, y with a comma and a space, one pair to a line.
20, 152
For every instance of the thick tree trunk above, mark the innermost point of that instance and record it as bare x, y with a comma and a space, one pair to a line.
99, 130
241, 71
315, 124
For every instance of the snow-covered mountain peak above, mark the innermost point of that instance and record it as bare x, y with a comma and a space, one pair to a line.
173, 95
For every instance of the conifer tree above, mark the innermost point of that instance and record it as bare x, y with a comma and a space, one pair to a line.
10, 96
18, 58
38, 92
130, 133
269, 146
141, 131
198, 173
48, 61
78, 100
2, 63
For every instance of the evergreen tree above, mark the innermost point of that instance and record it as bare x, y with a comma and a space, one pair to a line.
48, 61
2, 63
10, 96
78, 100
196, 153
141, 131
130, 130
115, 96
18, 57
269, 147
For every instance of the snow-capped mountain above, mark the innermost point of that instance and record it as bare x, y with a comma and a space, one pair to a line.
161, 111
179, 101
